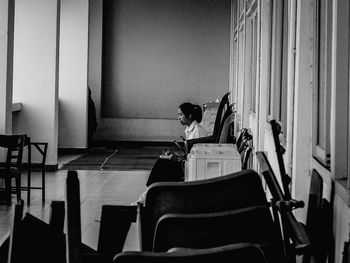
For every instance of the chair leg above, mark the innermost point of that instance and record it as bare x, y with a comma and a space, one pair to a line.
8, 190
43, 184
18, 188
29, 184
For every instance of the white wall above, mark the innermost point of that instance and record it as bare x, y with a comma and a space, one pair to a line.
35, 65
73, 74
147, 129
119, 128
6, 67
95, 52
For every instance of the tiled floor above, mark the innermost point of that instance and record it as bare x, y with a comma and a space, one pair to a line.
96, 189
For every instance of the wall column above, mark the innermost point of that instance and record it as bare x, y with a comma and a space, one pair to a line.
73, 74
35, 77
6, 64
302, 132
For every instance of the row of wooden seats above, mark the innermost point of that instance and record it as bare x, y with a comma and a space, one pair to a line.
154, 219
249, 222
228, 214
35, 241
223, 132
202, 214
233, 233
239, 214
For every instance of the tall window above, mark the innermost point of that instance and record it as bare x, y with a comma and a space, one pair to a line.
254, 60
277, 99
322, 82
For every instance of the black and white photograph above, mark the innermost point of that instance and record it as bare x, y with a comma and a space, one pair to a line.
175, 131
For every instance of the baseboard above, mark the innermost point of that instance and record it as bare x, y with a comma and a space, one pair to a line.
48, 167
72, 150
113, 144
51, 167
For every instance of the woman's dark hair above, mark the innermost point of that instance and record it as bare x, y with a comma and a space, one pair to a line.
195, 110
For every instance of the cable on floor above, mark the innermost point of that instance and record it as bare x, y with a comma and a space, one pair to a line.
101, 167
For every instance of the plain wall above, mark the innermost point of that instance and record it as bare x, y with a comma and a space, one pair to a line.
95, 52
34, 76
73, 70
204, 66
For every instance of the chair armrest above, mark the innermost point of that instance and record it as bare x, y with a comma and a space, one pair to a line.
299, 235
189, 143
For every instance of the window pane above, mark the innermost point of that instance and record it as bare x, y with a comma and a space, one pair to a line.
322, 73
284, 80
254, 62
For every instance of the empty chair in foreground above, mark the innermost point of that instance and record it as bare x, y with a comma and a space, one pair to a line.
238, 253
33, 240
229, 192
253, 224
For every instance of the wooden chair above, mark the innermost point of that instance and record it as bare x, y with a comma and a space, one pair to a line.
238, 253
230, 192
226, 127
223, 137
12, 167
77, 254
318, 222
224, 104
245, 157
252, 224
115, 223
40, 149
221, 114
295, 237
244, 139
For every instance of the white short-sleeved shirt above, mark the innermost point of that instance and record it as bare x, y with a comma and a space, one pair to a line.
195, 130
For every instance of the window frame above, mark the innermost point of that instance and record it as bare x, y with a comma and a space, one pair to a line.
278, 90
322, 55
253, 60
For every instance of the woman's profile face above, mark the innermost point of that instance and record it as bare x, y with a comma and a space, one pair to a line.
182, 118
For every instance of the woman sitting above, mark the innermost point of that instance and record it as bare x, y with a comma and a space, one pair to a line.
169, 168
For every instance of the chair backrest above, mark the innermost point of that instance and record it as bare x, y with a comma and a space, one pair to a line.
14, 145
318, 222
245, 156
315, 198
239, 136
243, 139
238, 253
226, 126
224, 102
252, 224
33, 240
228, 113
229, 192
223, 112
73, 217
114, 226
